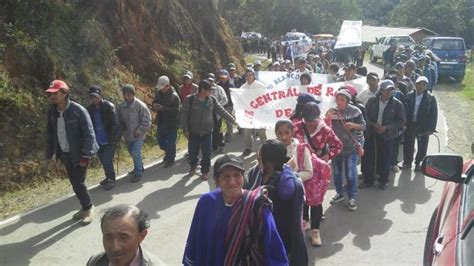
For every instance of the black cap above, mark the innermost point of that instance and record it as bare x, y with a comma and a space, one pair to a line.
373, 75
95, 90
227, 160
311, 111
350, 66
204, 84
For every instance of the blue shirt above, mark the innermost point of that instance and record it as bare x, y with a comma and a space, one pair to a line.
100, 134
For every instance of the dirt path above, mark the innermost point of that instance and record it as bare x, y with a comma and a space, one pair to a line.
459, 114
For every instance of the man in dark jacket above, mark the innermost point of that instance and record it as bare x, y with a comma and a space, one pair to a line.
166, 105
421, 117
229, 107
104, 119
385, 117
70, 138
197, 122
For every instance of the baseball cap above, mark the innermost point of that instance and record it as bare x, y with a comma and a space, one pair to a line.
231, 66
95, 91
399, 65
227, 160
310, 111
350, 66
257, 63
188, 74
223, 73
57, 85
386, 84
373, 75
210, 76
162, 82
128, 88
422, 79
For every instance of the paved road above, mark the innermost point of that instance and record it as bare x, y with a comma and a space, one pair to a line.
387, 229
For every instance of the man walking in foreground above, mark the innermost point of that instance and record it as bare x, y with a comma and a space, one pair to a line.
70, 137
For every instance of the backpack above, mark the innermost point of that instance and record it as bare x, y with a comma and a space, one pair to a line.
316, 187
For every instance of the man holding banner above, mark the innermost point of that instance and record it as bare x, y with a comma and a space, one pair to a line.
252, 84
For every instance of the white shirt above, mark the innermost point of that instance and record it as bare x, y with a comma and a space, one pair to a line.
255, 85
365, 95
417, 105
61, 132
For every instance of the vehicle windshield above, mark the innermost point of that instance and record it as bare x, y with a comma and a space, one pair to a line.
448, 44
402, 39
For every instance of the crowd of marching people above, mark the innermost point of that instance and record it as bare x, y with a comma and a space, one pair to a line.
256, 215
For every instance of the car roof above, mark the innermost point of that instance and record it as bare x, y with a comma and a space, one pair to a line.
445, 37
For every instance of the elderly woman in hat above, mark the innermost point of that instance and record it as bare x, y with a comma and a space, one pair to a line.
233, 226
348, 124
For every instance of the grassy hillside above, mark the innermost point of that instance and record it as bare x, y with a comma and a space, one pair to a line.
106, 42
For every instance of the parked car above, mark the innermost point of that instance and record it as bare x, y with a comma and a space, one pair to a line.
382, 44
452, 52
450, 236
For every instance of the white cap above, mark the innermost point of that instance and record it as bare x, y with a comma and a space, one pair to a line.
422, 78
162, 82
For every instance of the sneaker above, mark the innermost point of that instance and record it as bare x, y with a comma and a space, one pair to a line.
136, 178
315, 237
103, 182
88, 216
352, 205
337, 198
192, 171
417, 167
406, 166
78, 215
109, 184
396, 168
133, 171
168, 164
323, 218
247, 152
205, 176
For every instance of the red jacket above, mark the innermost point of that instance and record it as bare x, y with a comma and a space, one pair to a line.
324, 136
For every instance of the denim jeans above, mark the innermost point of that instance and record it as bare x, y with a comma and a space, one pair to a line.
167, 141
135, 150
106, 156
345, 166
198, 143
77, 178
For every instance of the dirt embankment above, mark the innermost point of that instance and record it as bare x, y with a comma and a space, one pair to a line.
108, 42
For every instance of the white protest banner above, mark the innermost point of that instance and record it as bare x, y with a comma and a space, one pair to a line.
299, 47
262, 108
350, 34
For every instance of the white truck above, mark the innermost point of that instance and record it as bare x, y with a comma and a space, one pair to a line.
382, 44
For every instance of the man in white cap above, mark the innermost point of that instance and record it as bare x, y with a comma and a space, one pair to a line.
385, 117
166, 105
422, 116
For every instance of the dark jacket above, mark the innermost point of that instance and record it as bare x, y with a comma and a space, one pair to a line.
146, 259
393, 117
198, 117
427, 116
168, 117
287, 195
109, 117
79, 132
